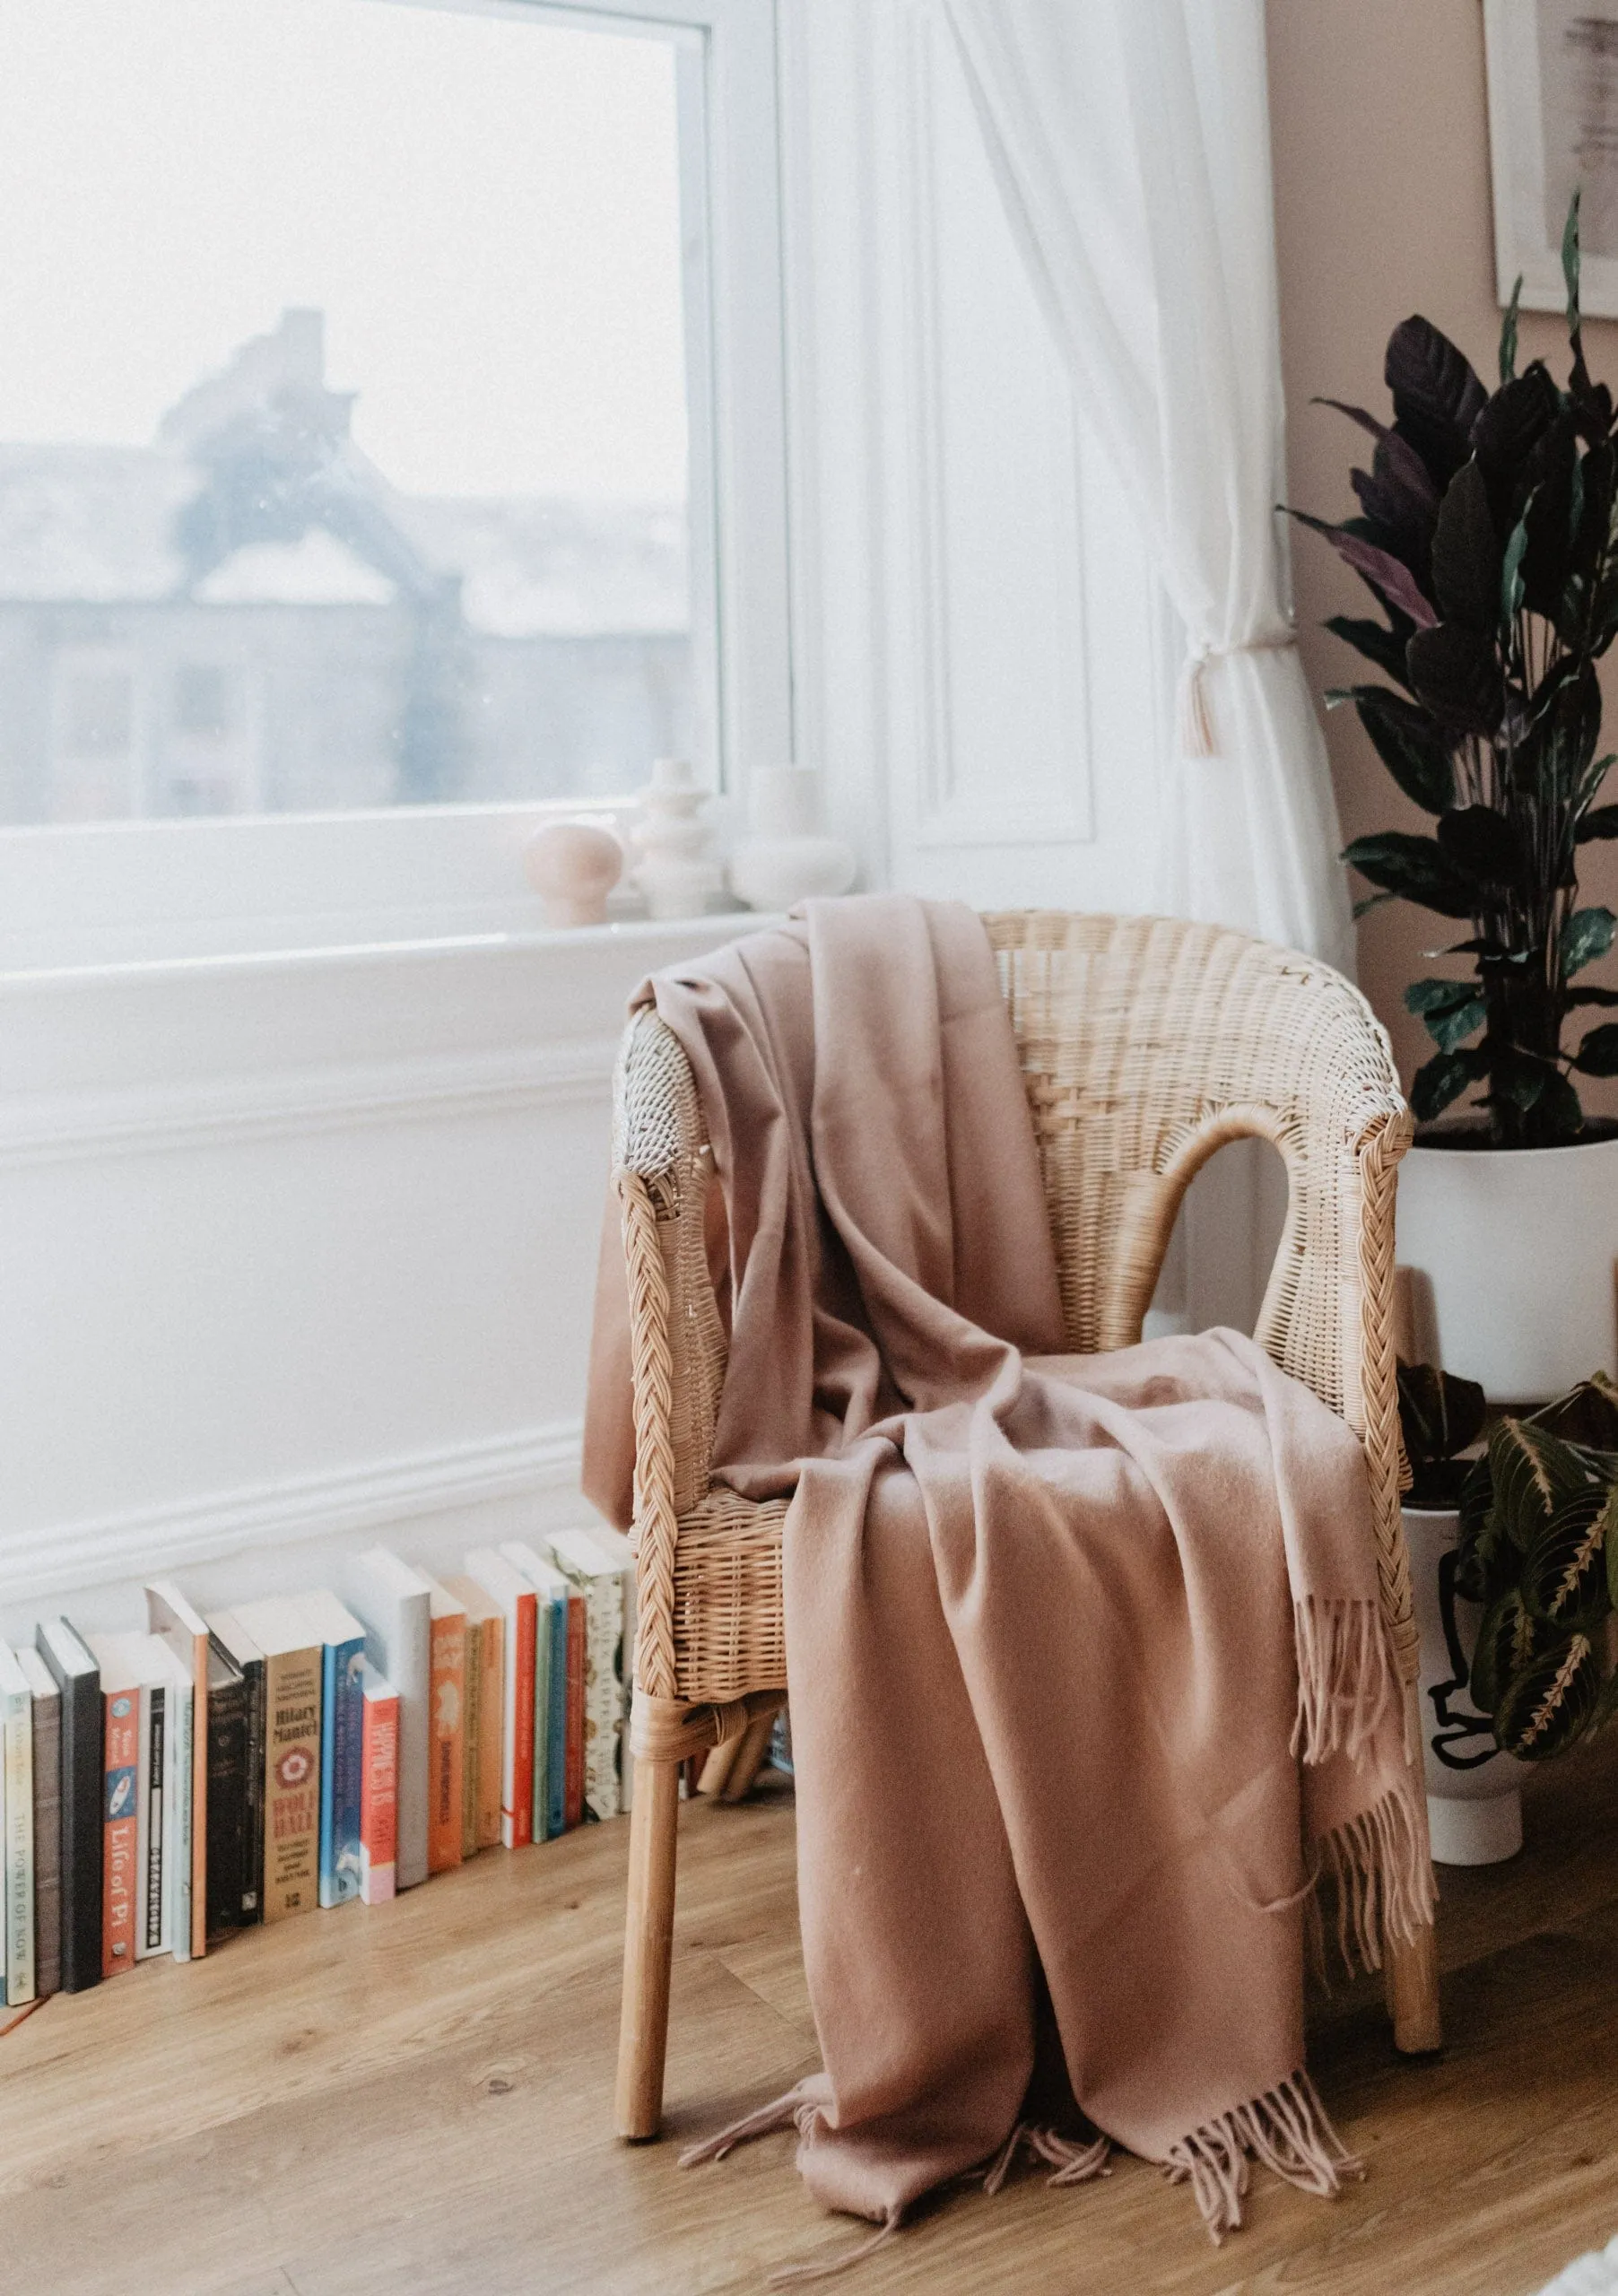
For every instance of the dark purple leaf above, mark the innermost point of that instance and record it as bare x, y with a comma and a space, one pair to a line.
1511, 423
1395, 584
1436, 396
1378, 644
1480, 841
1408, 742
1598, 1056
1466, 552
1416, 869
1456, 671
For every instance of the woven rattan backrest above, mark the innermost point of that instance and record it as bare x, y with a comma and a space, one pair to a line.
1146, 1043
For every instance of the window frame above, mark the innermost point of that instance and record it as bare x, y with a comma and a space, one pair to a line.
137, 891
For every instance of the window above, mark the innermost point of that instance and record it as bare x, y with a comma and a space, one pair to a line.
399, 429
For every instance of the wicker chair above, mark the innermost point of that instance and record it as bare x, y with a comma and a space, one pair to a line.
1146, 1043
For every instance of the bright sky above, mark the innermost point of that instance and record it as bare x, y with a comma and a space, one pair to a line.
485, 208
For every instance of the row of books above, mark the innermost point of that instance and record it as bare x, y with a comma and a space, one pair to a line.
161, 1789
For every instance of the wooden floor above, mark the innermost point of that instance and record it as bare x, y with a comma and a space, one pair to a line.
415, 2099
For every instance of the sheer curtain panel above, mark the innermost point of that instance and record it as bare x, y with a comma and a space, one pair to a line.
1130, 139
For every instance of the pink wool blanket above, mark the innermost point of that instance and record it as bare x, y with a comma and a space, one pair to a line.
1088, 1677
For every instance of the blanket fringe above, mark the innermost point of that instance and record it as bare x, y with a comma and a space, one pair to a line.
794, 2276
1288, 2129
1344, 1678
1073, 2163
794, 2110
1383, 1883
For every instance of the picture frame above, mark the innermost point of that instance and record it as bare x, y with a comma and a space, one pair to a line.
1552, 71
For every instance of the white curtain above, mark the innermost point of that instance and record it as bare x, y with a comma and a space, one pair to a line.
1130, 139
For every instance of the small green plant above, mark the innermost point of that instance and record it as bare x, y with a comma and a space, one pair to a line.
1439, 1417
1539, 1549
1489, 536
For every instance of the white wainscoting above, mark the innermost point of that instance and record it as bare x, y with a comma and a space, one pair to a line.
296, 1251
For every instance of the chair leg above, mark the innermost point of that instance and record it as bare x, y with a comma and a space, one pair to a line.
751, 1752
1412, 1979
649, 1940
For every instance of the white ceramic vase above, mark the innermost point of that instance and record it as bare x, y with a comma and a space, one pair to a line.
1514, 1252
1473, 1800
678, 870
788, 854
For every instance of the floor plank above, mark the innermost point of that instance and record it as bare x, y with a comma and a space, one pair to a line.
416, 2097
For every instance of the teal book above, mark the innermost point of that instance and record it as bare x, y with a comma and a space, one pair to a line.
551, 1658
341, 1639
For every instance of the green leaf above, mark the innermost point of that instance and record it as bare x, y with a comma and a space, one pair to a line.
1571, 264
1508, 334
1564, 1581
1456, 671
1508, 1640
1383, 647
1407, 740
1601, 821
1598, 1056
1450, 1009
1481, 842
1511, 569
1534, 1474
1416, 868
1535, 1086
1549, 1702
1588, 936
1443, 1079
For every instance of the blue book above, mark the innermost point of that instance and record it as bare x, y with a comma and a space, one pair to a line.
341, 1733
550, 1663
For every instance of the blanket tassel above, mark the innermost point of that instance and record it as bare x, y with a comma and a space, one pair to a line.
1344, 1678
1287, 2129
1383, 1883
1072, 2164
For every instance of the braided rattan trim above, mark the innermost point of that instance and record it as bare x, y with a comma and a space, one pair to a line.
652, 1372
1378, 1390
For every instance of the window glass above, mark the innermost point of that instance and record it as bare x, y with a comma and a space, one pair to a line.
345, 432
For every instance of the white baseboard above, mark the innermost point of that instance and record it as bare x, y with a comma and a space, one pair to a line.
138, 1542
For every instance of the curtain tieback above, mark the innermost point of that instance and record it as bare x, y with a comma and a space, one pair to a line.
1193, 725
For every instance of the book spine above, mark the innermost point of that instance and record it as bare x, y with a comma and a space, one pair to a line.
517, 1758
227, 1767
556, 1782
84, 1832
121, 1829
19, 1847
544, 1644
603, 1695
379, 1798
472, 1718
574, 1809
341, 1755
445, 1741
149, 1936
491, 1749
178, 1849
291, 1783
47, 1845
257, 1675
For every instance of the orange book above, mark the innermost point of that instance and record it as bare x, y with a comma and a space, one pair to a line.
485, 1715
121, 1847
446, 1728
378, 1788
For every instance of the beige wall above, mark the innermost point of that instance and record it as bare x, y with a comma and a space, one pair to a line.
1382, 208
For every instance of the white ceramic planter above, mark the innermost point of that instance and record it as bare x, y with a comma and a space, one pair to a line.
1473, 1802
787, 856
1519, 1248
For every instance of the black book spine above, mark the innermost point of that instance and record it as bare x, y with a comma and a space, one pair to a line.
227, 1805
252, 1896
154, 1823
83, 1793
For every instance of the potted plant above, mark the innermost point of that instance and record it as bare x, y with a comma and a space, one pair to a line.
1487, 536
1474, 1805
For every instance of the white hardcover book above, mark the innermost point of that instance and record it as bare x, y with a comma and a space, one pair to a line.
622, 1555
48, 1820
580, 1559
179, 1756
181, 1626
17, 1837
393, 1601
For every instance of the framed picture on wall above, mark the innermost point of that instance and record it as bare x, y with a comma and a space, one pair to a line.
1553, 128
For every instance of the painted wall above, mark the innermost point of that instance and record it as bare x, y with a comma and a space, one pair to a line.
1382, 203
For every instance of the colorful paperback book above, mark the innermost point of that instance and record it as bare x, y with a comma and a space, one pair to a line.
485, 1712
393, 1600
504, 1584
121, 1667
48, 1822
16, 1830
72, 1666
378, 1785
446, 1758
559, 1606
618, 1551
172, 1618
228, 1822
576, 1555
343, 1657
292, 1660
